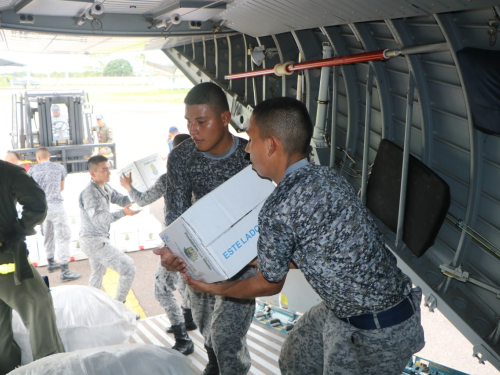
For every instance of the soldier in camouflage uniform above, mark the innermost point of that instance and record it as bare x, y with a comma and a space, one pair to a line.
194, 169
167, 282
96, 219
369, 319
56, 231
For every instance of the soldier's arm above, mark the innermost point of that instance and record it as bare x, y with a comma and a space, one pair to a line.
27, 192
119, 199
178, 187
151, 195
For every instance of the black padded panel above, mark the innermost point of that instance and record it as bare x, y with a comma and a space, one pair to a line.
427, 197
481, 74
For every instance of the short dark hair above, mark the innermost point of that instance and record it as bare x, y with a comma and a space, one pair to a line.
94, 162
210, 94
286, 119
179, 138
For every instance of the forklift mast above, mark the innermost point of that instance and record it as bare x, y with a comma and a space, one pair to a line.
68, 136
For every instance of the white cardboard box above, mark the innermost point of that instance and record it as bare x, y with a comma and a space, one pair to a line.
145, 172
217, 236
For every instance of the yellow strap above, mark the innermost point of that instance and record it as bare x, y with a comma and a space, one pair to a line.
7, 268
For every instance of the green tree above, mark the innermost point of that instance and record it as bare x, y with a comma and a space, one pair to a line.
118, 67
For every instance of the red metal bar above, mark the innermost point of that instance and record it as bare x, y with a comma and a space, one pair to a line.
342, 60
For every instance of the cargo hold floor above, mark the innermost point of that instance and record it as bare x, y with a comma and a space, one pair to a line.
264, 344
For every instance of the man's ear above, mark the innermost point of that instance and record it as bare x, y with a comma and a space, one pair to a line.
226, 117
272, 144
92, 173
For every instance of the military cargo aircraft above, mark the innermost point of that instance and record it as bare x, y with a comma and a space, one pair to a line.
404, 95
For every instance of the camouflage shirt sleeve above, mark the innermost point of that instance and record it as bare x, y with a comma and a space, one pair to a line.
274, 235
179, 189
151, 195
117, 198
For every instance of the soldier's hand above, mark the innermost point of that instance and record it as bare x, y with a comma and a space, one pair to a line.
128, 211
199, 286
169, 260
126, 182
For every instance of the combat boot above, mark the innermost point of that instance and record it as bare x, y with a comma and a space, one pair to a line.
183, 343
67, 275
212, 365
188, 321
52, 265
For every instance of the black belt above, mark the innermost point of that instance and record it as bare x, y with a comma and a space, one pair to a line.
392, 316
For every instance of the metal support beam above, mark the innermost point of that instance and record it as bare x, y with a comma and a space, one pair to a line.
402, 36
366, 139
453, 38
406, 158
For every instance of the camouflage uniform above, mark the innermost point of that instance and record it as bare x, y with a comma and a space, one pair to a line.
96, 219
314, 218
56, 228
165, 282
222, 321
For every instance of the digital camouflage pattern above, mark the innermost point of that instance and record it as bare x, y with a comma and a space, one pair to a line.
56, 230
191, 174
223, 322
320, 343
94, 203
96, 220
165, 284
102, 255
49, 176
57, 233
314, 218
155, 192
165, 281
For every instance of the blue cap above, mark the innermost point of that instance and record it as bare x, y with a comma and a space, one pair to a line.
55, 107
99, 117
173, 129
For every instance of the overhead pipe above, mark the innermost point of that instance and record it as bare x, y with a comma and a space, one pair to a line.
288, 68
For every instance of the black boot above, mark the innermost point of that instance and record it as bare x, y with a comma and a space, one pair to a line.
188, 321
52, 265
183, 343
212, 365
67, 275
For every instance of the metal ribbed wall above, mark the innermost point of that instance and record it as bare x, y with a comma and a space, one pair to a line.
442, 135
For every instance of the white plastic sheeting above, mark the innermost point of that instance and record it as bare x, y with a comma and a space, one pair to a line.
86, 318
127, 359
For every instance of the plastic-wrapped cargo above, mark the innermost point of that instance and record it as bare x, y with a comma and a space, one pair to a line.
86, 317
126, 359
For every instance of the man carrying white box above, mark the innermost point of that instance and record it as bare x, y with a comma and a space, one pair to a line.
195, 168
369, 319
